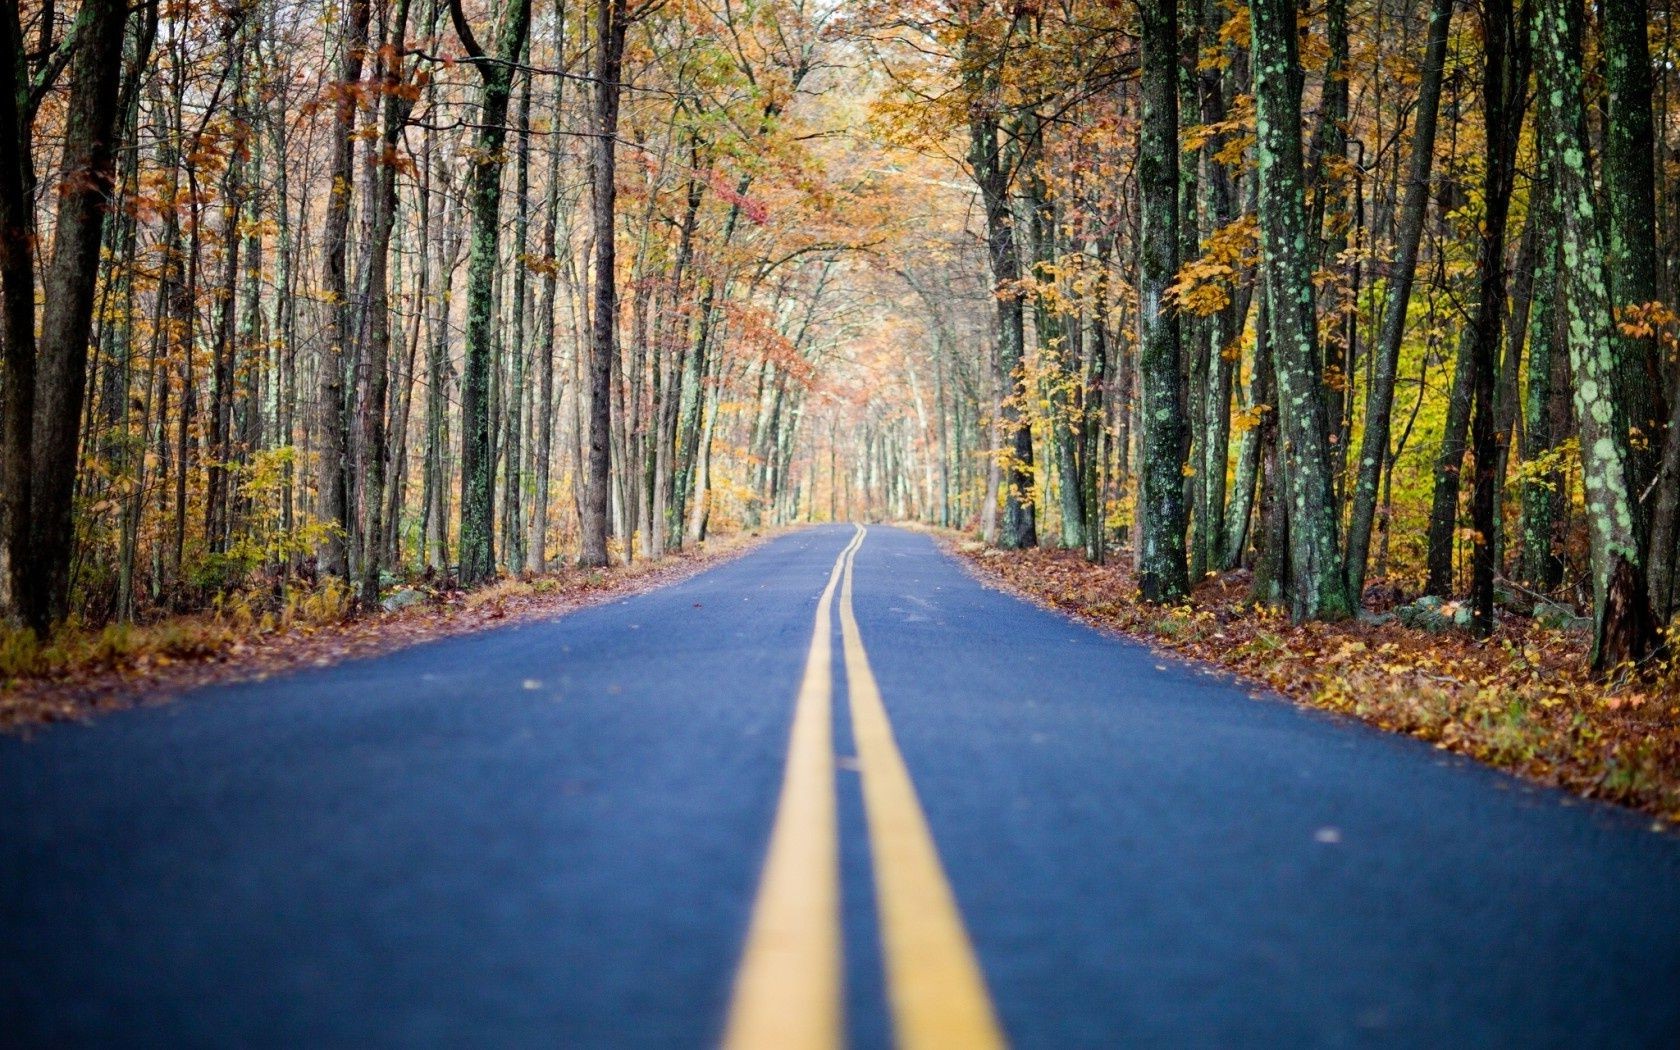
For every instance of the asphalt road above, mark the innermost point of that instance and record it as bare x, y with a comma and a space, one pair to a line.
992, 824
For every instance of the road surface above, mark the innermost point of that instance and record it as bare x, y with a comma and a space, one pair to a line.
832, 792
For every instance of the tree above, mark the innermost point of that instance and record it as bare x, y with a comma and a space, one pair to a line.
478, 466
333, 483
1504, 74
46, 379
394, 109
1379, 396
1316, 588
1162, 571
980, 64
1630, 192
611, 19
1625, 629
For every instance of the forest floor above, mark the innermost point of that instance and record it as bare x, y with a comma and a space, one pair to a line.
1523, 700
82, 672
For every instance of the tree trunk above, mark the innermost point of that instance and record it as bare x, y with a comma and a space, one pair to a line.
334, 439
478, 468
1625, 629
1542, 565
1163, 575
1317, 587
393, 115
1630, 192
610, 17
1019, 528
90, 114
17, 327
1379, 397
1504, 80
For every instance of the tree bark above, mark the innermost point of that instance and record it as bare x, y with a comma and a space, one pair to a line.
1379, 397
1317, 588
1019, 527
610, 28
17, 324
478, 468
1163, 574
1630, 192
394, 112
90, 114
1504, 80
334, 439
1625, 629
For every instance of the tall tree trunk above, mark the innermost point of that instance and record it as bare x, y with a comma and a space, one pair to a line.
1542, 565
17, 325
334, 439
1630, 192
1316, 584
537, 549
1625, 629
478, 467
1379, 396
90, 116
513, 532
1019, 527
1504, 80
393, 115
1225, 333
610, 27
1163, 574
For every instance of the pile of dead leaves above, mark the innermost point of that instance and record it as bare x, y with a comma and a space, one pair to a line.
1523, 700
81, 672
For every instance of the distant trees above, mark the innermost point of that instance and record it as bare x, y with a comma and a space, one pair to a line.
340, 310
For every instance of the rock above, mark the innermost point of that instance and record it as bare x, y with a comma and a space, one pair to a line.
402, 600
1519, 603
1559, 617
1431, 613
1375, 619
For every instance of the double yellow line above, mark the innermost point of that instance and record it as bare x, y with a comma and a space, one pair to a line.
789, 990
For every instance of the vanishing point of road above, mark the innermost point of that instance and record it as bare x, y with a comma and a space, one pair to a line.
835, 792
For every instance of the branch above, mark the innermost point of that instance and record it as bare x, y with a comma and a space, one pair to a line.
463, 30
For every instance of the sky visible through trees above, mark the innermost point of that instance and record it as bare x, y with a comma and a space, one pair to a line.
1338, 294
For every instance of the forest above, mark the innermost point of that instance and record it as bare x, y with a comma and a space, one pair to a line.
1353, 296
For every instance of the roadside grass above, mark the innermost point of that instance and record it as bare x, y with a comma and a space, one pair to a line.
1524, 700
254, 633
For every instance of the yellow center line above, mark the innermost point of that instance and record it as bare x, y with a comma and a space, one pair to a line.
788, 990
937, 993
